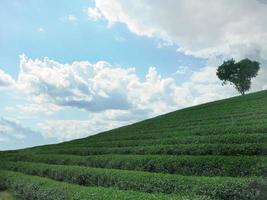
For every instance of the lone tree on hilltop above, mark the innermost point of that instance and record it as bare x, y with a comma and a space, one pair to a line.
239, 74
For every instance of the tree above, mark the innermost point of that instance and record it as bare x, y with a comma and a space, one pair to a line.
239, 74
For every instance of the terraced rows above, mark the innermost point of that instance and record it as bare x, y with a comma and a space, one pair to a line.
211, 151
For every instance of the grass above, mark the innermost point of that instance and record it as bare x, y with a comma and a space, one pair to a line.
181, 149
215, 187
210, 151
211, 139
34, 187
183, 165
5, 195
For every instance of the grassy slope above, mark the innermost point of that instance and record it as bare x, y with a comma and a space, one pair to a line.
6, 196
216, 150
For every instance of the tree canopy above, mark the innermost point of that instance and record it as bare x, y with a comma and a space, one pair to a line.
239, 74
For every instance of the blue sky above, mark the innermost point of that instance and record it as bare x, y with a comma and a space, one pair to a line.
158, 57
66, 41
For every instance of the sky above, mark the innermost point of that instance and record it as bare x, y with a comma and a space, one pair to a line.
70, 69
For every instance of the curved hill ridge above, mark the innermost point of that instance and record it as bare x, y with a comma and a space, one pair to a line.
215, 150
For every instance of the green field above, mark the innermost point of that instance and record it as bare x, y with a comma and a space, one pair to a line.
6, 196
216, 150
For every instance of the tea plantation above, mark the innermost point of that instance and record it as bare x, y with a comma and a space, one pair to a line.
216, 150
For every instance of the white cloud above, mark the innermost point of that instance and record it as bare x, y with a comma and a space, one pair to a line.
93, 13
33, 108
13, 135
41, 29
72, 18
65, 130
205, 75
181, 70
5, 80
260, 82
45, 108
163, 43
119, 39
72, 129
97, 87
80, 84
198, 28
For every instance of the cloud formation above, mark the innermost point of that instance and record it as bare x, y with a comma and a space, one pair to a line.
205, 28
98, 87
13, 135
41, 30
5, 80
72, 18
93, 13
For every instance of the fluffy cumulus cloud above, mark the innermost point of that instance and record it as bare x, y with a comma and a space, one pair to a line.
72, 18
5, 80
98, 87
71, 129
181, 70
198, 28
65, 130
13, 135
93, 13
68, 129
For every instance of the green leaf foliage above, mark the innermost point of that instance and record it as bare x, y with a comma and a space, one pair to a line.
239, 74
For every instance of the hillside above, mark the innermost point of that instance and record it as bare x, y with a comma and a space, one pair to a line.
211, 151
